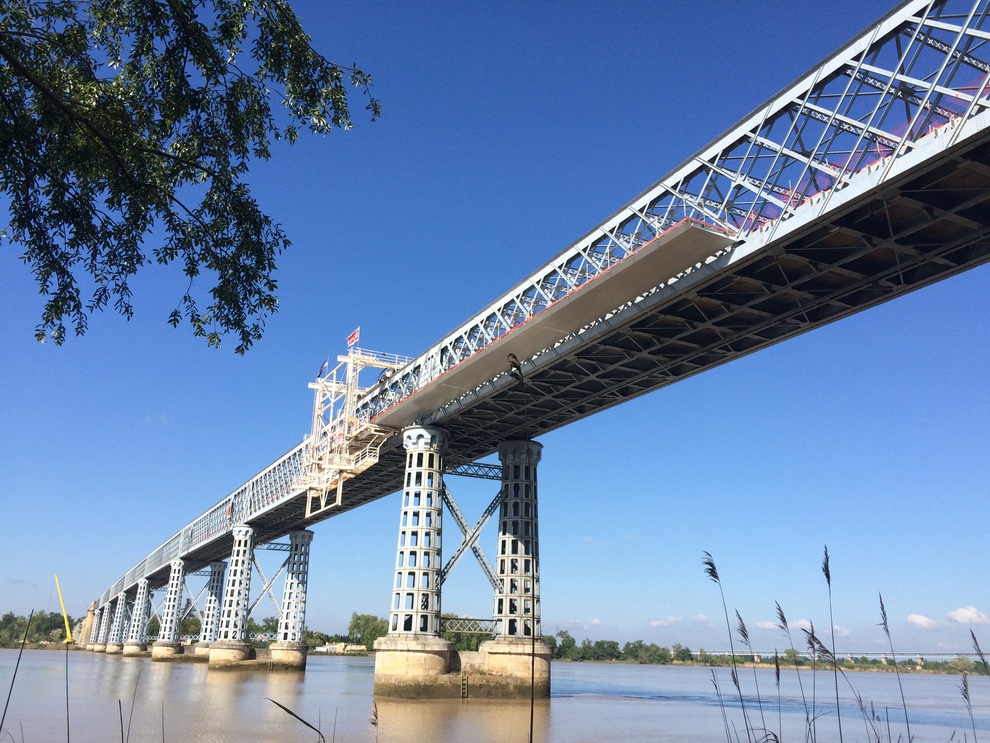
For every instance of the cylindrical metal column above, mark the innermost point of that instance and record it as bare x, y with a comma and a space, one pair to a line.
517, 604
136, 629
292, 623
214, 599
139, 617
115, 638
101, 637
233, 614
416, 592
169, 627
94, 632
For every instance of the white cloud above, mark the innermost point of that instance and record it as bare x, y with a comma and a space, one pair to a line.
921, 622
665, 622
841, 631
802, 624
766, 625
699, 618
595, 622
968, 615
596, 543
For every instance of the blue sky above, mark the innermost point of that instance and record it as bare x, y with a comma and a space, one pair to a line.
508, 131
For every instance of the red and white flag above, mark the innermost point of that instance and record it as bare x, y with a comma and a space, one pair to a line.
354, 337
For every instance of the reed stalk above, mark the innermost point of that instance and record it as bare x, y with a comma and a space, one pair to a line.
721, 706
979, 652
826, 571
785, 628
814, 681
130, 716
818, 647
964, 690
776, 675
712, 573
17, 665
304, 722
744, 636
893, 657
67, 733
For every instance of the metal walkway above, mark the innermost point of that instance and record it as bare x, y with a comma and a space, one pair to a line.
866, 178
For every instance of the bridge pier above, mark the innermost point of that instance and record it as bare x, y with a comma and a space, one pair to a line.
134, 644
94, 632
115, 638
114, 644
290, 649
517, 653
84, 636
413, 656
100, 645
413, 660
231, 645
168, 646
211, 612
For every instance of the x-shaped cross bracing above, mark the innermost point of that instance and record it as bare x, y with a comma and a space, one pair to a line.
470, 538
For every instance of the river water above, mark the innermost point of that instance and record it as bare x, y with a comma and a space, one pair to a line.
590, 702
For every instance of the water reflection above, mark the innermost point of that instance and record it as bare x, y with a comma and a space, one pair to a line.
591, 702
492, 721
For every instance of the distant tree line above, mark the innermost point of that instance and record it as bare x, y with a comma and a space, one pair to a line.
46, 627
565, 647
364, 629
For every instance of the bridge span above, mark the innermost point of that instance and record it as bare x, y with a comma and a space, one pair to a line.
866, 178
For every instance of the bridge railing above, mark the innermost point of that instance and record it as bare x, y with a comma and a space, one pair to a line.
273, 485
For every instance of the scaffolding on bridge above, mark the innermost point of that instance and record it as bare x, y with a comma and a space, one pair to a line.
344, 442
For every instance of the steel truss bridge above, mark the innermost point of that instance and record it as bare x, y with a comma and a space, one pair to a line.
866, 178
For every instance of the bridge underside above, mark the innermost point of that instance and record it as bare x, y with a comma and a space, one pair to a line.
928, 225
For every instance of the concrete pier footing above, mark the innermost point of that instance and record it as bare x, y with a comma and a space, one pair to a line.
99, 647
288, 655
135, 648
202, 648
228, 653
114, 648
164, 650
427, 667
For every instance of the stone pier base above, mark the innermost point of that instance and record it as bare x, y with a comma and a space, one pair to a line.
288, 655
201, 648
409, 666
89, 646
428, 668
135, 648
511, 666
228, 653
114, 648
99, 647
163, 650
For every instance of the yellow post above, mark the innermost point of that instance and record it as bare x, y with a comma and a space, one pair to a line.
65, 617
